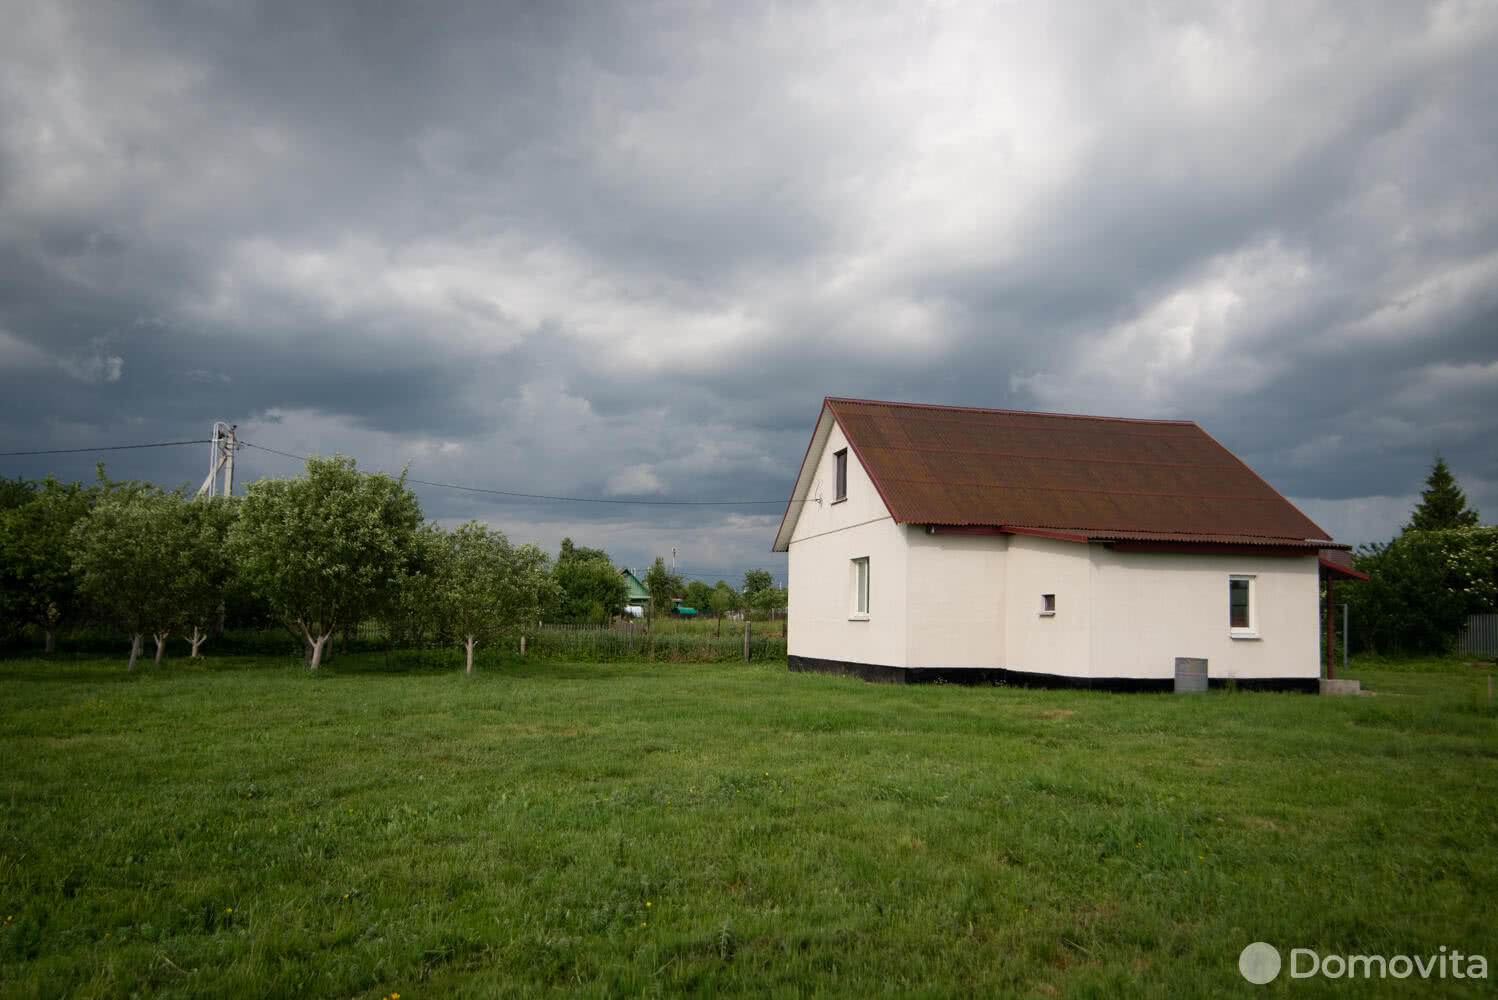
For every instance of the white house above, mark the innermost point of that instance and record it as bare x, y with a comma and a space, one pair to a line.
938, 542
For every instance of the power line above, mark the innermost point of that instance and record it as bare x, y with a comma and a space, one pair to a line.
107, 447
545, 496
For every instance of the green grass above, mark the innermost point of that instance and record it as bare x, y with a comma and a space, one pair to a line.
242, 828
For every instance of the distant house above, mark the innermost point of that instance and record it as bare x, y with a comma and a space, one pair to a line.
638, 595
938, 542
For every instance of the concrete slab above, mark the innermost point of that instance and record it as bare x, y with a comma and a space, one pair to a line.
1341, 687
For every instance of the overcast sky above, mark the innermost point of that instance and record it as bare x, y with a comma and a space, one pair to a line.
623, 250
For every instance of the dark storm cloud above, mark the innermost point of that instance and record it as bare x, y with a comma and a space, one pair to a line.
625, 250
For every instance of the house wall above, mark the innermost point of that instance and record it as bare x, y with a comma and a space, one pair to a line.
827, 537
951, 600
957, 598
1151, 607
1056, 644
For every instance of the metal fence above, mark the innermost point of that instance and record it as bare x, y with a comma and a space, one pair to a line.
1479, 635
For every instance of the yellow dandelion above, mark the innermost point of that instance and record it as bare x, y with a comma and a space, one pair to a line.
647, 903
228, 909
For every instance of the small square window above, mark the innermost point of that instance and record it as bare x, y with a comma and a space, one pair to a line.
840, 474
1047, 605
861, 587
1242, 614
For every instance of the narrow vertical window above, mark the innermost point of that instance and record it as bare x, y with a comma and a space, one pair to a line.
1047, 604
1242, 623
861, 587
840, 476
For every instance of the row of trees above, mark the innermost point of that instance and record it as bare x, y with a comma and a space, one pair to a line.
1422, 584
320, 554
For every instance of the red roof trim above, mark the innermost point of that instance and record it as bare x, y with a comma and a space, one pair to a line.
1017, 413
1064, 536
1230, 547
791, 502
1337, 570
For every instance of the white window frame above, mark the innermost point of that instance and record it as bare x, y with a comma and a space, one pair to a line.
1047, 605
1251, 630
860, 604
840, 475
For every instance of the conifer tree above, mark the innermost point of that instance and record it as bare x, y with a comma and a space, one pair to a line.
1442, 503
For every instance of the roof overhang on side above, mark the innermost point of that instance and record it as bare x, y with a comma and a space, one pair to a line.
1336, 564
804, 479
1182, 543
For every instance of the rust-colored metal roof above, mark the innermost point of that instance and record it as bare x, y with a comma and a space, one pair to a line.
1338, 564
1104, 478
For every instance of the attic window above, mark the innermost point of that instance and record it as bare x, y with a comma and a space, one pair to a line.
1047, 605
840, 475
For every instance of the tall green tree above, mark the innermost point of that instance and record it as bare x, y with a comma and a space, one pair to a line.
768, 600
143, 558
204, 570
485, 587
16, 492
1420, 588
37, 582
698, 594
570, 553
1442, 503
525, 587
658, 582
587, 590
723, 600
325, 549
756, 580
407, 611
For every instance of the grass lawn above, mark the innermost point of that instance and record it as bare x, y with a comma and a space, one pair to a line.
244, 829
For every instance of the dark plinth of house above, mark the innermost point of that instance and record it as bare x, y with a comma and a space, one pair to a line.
994, 676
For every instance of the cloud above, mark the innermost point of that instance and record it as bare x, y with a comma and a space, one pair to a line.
95, 366
624, 250
637, 480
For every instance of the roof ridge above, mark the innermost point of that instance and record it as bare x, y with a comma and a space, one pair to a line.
1018, 413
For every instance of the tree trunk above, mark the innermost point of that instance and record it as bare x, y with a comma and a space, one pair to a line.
161, 638
51, 634
468, 650
134, 650
317, 648
197, 639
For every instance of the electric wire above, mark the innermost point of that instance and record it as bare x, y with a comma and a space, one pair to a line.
546, 496
107, 447
419, 482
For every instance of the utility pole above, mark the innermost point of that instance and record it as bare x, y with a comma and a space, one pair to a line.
221, 457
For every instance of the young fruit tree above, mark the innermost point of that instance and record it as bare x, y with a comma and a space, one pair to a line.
37, 584
140, 558
484, 587
325, 549
204, 577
